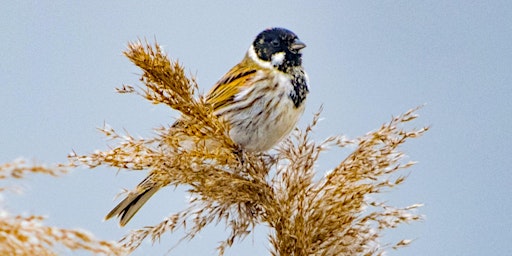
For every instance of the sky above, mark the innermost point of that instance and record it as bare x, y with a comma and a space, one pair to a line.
367, 61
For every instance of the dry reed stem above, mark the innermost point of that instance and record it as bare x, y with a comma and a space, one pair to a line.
308, 215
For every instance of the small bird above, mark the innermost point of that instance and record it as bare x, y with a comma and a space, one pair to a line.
261, 98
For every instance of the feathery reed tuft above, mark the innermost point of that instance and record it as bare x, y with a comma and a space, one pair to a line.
27, 235
308, 215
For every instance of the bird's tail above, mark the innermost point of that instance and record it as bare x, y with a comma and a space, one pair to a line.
127, 208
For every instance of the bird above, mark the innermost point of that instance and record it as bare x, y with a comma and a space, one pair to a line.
261, 98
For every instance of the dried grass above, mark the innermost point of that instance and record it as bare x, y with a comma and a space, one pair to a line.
27, 235
307, 214
333, 215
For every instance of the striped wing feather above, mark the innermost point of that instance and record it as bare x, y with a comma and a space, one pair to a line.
224, 91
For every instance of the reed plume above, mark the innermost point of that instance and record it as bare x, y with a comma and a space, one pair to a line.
309, 211
27, 235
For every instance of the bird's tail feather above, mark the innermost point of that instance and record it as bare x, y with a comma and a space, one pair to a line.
127, 208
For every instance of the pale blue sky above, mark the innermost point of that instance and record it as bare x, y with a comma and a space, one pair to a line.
367, 61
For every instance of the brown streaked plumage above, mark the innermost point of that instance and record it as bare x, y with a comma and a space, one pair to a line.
261, 98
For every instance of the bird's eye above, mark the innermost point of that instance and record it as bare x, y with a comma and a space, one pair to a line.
275, 43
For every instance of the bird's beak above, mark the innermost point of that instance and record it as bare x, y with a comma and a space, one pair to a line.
297, 45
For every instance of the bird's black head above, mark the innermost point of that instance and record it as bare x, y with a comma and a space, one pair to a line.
279, 46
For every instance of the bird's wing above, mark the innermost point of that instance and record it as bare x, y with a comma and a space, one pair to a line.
224, 91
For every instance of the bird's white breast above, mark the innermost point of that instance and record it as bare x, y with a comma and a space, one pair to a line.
263, 113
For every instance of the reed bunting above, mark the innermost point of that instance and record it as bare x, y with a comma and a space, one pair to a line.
261, 98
